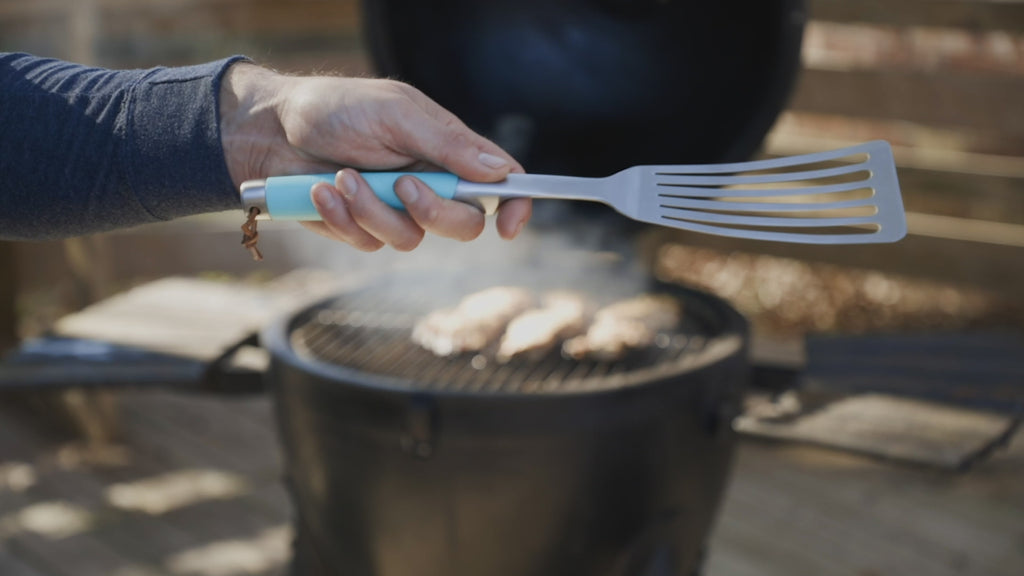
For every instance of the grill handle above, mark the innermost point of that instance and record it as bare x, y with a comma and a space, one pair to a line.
420, 427
56, 363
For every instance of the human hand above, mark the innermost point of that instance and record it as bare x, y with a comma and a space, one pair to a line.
273, 124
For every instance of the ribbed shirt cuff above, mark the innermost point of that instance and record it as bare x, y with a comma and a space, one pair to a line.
176, 161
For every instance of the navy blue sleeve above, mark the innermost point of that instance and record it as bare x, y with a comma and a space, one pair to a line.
84, 150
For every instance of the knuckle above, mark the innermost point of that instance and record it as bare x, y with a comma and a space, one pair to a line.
340, 224
405, 88
362, 209
393, 94
390, 86
473, 231
367, 245
456, 138
429, 216
450, 152
408, 243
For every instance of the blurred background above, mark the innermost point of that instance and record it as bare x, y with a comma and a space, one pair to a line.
940, 80
195, 490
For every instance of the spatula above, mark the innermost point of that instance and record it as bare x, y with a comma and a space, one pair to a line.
844, 196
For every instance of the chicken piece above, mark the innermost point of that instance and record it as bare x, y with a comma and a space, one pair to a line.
563, 314
625, 325
476, 321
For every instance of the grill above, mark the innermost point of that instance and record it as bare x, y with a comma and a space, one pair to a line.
402, 463
368, 333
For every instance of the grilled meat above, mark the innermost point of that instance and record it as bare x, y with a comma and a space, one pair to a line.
624, 325
563, 314
476, 321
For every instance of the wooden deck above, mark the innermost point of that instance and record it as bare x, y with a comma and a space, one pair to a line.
192, 488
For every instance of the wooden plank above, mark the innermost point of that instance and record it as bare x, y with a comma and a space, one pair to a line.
787, 533
14, 9
964, 101
966, 196
226, 519
10, 565
844, 46
234, 13
156, 32
310, 53
235, 435
915, 146
80, 555
160, 540
805, 511
126, 541
190, 318
250, 18
263, 553
185, 425
971, 14
60, 468
966, 229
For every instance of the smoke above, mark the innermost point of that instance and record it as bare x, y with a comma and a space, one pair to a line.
564, 247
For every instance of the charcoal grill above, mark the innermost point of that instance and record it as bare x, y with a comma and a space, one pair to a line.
403, 463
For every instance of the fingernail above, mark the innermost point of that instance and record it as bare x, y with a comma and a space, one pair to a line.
406, 191
349, 185
323, 197
492, 161
519, 229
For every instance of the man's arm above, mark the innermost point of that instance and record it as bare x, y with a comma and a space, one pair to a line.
84, 150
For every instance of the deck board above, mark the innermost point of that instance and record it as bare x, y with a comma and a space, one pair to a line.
11, 566
789, 510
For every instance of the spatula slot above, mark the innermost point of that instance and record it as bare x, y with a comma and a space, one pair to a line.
781, 212
852, 159
823, 176
752, 192
780, 196
786, 232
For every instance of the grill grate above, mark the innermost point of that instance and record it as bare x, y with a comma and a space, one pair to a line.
369, 331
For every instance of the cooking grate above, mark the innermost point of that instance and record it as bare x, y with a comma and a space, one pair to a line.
368, 331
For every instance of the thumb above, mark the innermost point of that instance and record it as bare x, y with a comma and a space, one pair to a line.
459, 150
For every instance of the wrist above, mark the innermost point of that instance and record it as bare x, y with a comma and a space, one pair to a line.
250, 127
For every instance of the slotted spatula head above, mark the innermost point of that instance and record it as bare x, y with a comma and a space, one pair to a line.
845, 196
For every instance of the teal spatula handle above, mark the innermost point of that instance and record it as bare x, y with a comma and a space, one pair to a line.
288, 197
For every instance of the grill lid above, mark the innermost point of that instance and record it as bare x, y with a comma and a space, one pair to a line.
365, 335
